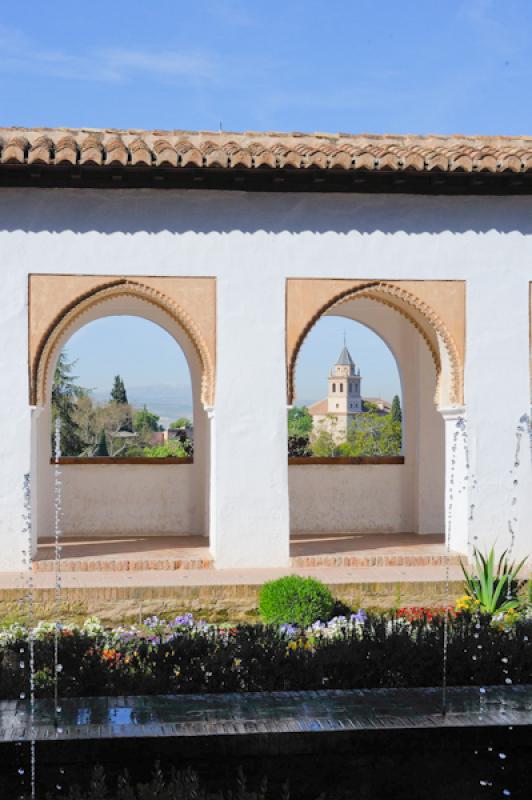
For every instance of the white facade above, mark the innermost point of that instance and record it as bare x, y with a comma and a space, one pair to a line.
252, 243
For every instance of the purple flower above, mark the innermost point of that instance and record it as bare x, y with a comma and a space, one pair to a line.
287, 629
183, 621
360, 617
154, 622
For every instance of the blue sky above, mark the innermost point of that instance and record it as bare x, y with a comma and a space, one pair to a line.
418, 66
155, 370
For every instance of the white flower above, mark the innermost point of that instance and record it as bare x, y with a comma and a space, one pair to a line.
93, 627
13, 633
44, 629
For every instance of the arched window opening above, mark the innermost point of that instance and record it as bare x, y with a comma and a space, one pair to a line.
370, 461
121, 389
334, 428
125, 381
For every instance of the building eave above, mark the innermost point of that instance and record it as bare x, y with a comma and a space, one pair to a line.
270, 162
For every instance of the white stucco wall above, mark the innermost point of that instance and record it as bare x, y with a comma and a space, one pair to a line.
252, 243
121, 500
361, 498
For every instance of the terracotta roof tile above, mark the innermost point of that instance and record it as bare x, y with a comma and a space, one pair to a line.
390, 153
319, 408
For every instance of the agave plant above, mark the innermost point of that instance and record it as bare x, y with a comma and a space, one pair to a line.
495, 586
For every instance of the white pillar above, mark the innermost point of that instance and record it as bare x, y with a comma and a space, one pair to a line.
249, 522
497, 384
211, 481
15, 427
457, 475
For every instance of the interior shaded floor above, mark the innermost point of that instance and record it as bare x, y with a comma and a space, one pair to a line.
123, 553
368, 550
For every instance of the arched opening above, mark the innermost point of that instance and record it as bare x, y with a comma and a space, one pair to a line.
129, 496
122, 389
349, 393
378, 495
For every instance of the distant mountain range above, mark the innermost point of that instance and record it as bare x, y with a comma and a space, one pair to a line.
168, 402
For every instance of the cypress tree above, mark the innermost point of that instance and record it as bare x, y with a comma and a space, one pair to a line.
118, 392
119, 396
101, 449
397, 414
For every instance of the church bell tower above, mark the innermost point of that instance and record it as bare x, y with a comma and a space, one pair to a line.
344, 398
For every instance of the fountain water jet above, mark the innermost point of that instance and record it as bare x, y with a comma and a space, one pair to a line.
28, 559
460, 429
58, 512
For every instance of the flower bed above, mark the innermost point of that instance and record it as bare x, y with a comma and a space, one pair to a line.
185, 655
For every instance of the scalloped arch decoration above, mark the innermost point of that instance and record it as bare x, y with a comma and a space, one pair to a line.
54, 329
441, 324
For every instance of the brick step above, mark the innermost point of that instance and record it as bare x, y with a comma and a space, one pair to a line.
123, 565
363, 561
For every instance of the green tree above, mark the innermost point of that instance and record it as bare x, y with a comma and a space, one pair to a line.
65, 395
182, 422
373, 434
324, 444
299, 446
364, 435
144, 420
118, 392
397, 414
172, 448
101, 449
119, 398
391, 441
299, 422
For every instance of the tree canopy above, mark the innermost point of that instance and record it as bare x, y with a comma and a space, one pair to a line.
299, 421
144, 420
65, 395
173, 448
373, 434
89, 428
182, 422
397, 414
101, 449
118, 392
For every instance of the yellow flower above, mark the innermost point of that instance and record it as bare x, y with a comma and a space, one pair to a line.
467, 603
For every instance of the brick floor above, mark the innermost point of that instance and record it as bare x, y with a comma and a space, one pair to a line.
144, 553
113, 576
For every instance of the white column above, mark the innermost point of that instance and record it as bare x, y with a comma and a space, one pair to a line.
211, 481
497, 383
457, 476
249, 478
15, 428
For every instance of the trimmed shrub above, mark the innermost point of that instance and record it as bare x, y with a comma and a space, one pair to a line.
295, 600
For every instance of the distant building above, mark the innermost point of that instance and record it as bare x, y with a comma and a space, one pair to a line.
172, 434
344, 399
383, 406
